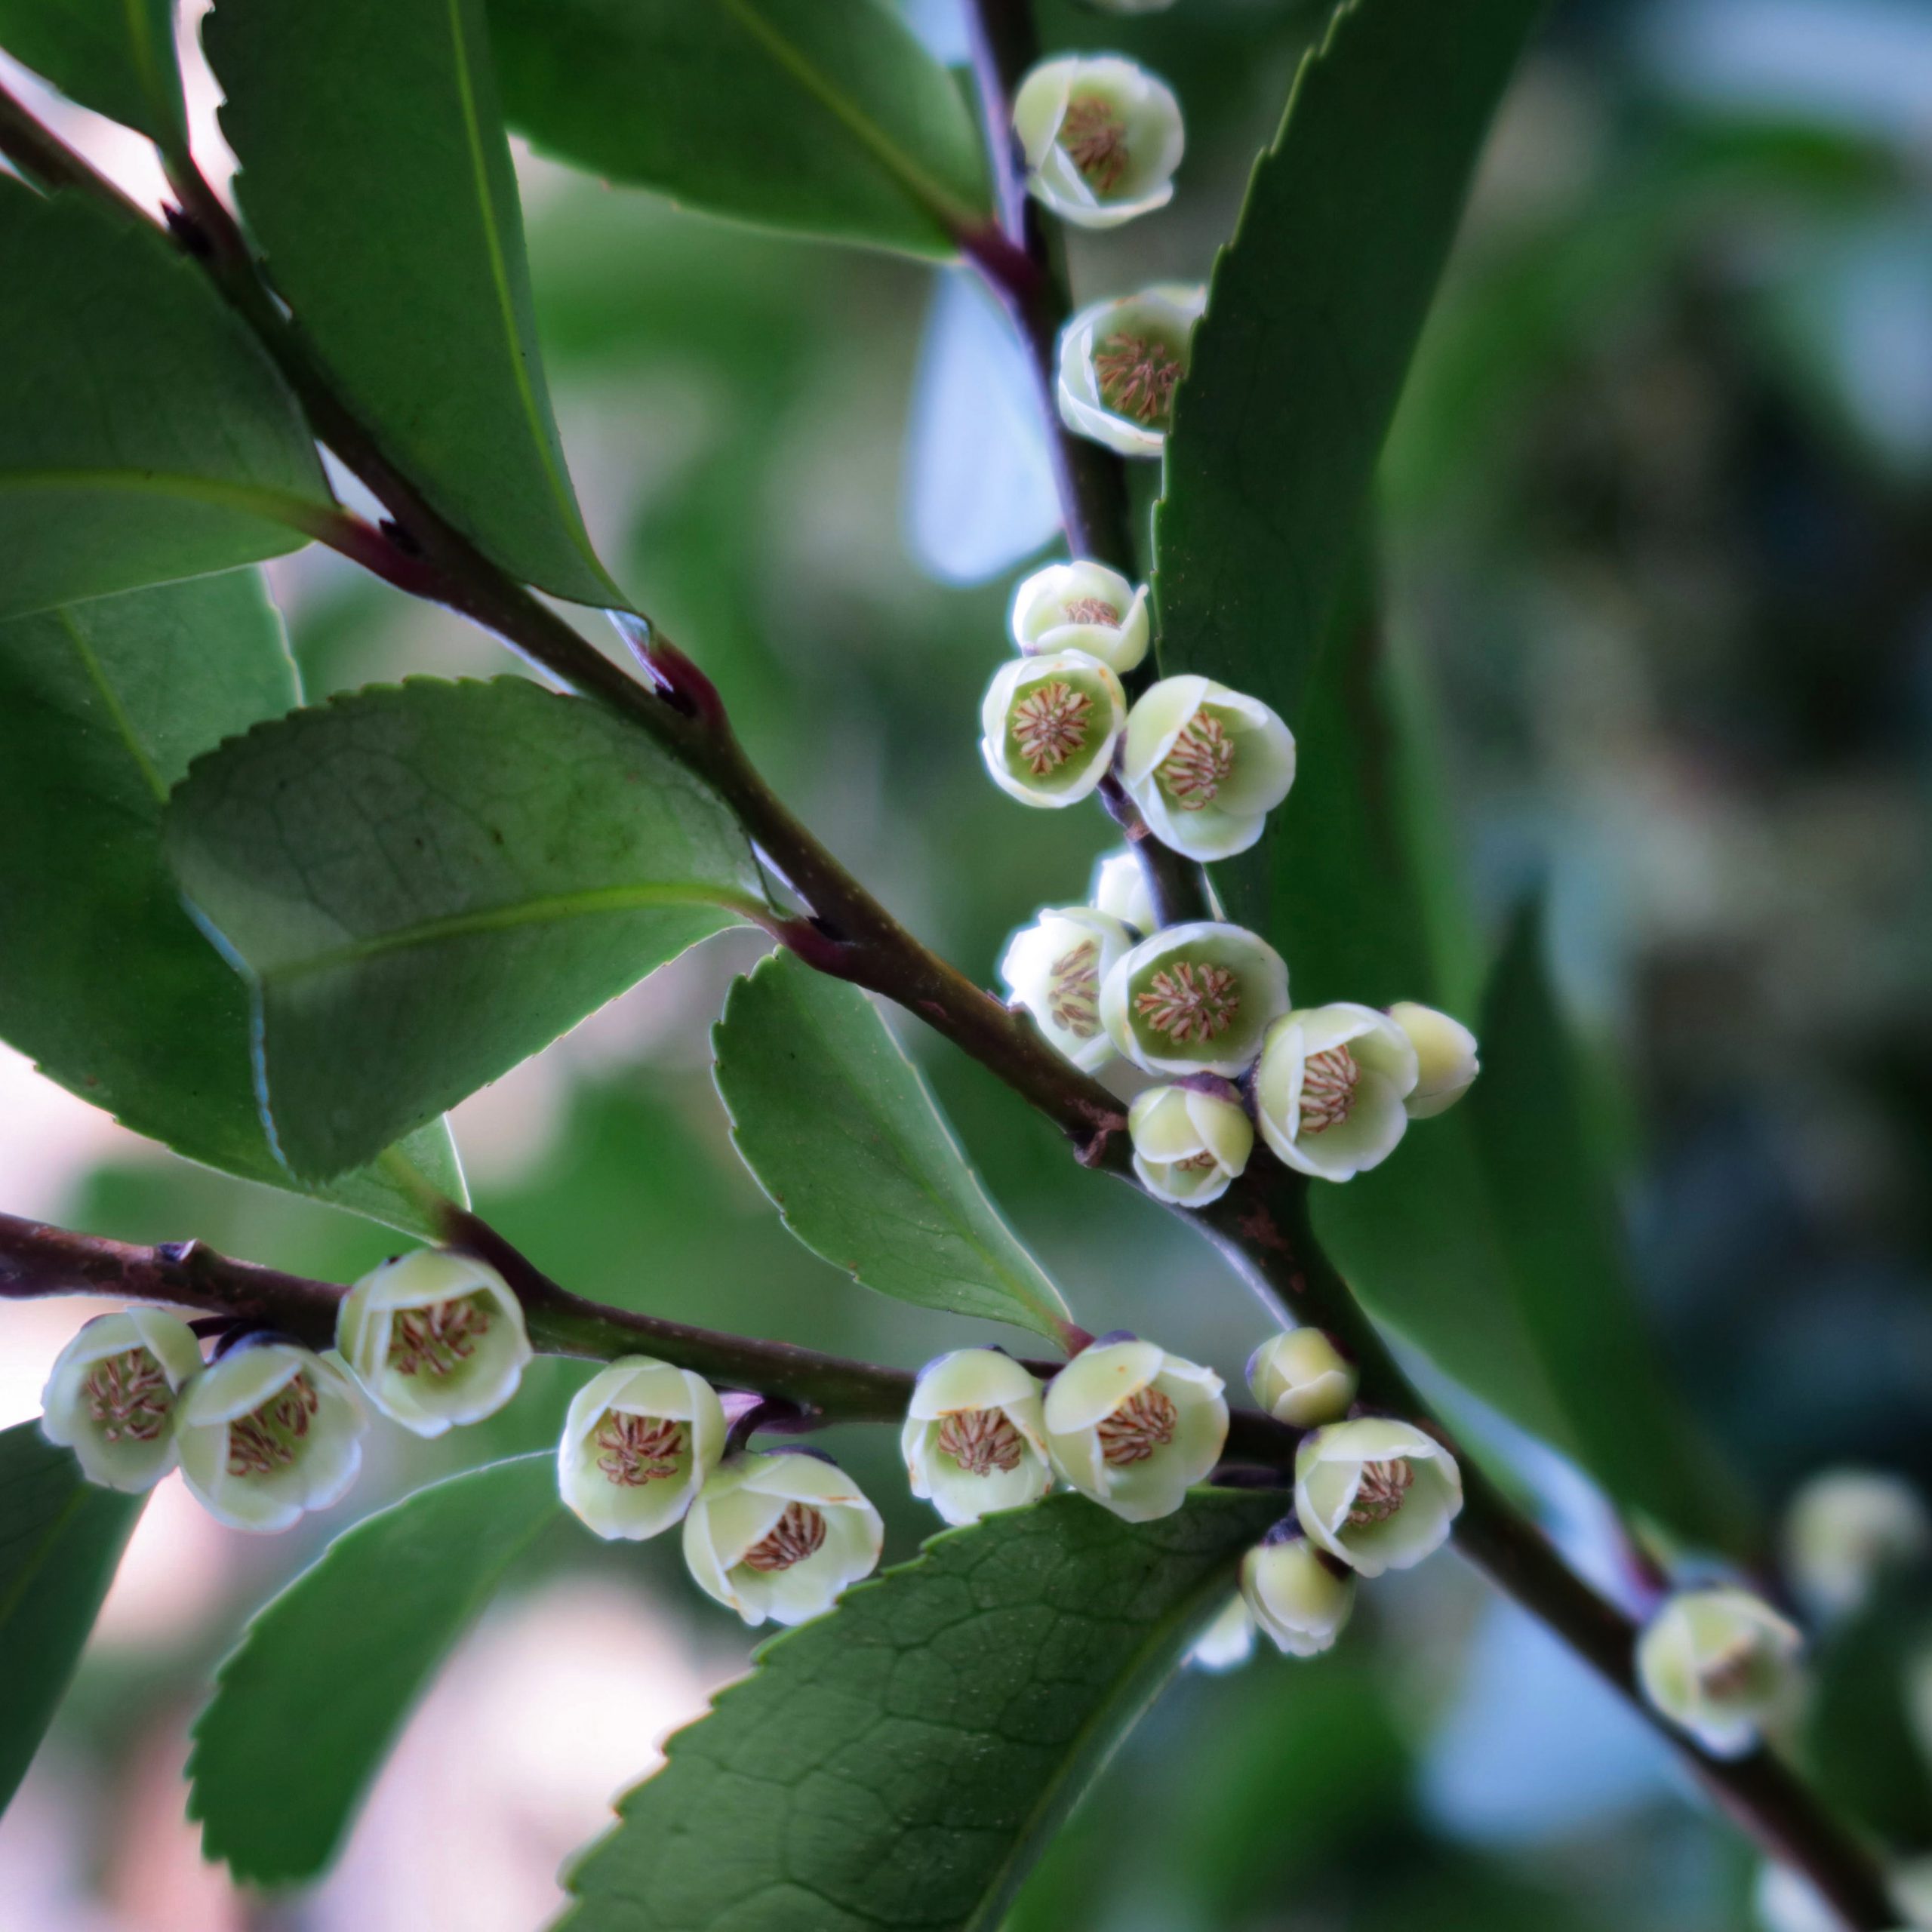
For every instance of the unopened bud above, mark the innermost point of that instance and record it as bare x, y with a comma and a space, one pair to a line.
1446, 1062
1229, 1641
1119, 889
1301, 1378
1188, 1144
1844, 1529
1082, 607
1294, 1597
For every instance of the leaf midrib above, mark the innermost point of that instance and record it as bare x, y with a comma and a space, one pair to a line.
117, 712
302, 513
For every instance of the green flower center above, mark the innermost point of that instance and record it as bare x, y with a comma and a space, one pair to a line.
1328, 1082
1200, 764
1073, 990
271, 1437
128, 1396
1142, 1423
1049, 724
435, 1341
794, 1537
1137, 376
1380, 1493
1190, 1002
1093, 137
633, 1451
981, 1441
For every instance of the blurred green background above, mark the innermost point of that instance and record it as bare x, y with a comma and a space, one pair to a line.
1658, 518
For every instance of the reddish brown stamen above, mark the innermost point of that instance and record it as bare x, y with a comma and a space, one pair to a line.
637, 1450
127, 1395
1094, 138
1091, 610
1073, 990
1729, 1672
1142, 1423
1328, 1080
981, 1441
1379, 1494
1193, 773
269, 1438
1195, 1164
1049, 725
1138, 376
434, 1340
791, 1539
1190, 1002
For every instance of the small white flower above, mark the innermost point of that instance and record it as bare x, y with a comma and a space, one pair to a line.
1329, 1092
1446, 1062
1188, 1144
268, 1431
1119, 889
975, 1436
1379, 1493
1121, 362
1082, 607
1206, 765
779, 1536
640, 1441
1844, 1530
1054, 967
1301, 1378
1227, 1642
112, 1395
1294, 1596
1102, 137
434, 1338
1134, 1427
1194, 999
1048, 727
1718, 1663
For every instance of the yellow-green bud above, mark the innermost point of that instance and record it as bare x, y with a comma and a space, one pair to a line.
1294, 1597
1188, 1144
1301, 1378
1446, 1061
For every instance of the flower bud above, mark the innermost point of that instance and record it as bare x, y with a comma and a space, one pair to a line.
112, 1394
1227, 1642
1379, 1493
1301, 1378
268, 1432
1133, 1427
1194, 999
1329, 1092
975, 1435
1049, 725
1054, 967
1718, 1663
435, 1339
640, 1440
1121, 362
1844, 1530
779, 1536
1206, 765
1102, 137
1085, 607
1446, 1062
1188, 1144
1294, 1596
1119, 889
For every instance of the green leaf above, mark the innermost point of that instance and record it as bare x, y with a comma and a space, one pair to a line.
60, 1539
306, 1709
825, 116
842, 1134
144, 435
104, 979
1491, 1237
376, 175
1313, 314
425, 884
116, 57
902, 1762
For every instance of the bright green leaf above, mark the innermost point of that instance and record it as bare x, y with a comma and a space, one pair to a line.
842, 1134
306, 1709
116, 57
426, 884
144, 435
902, 1762
823, 116
377, 179
60, 1539
1312, 316
104, 980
